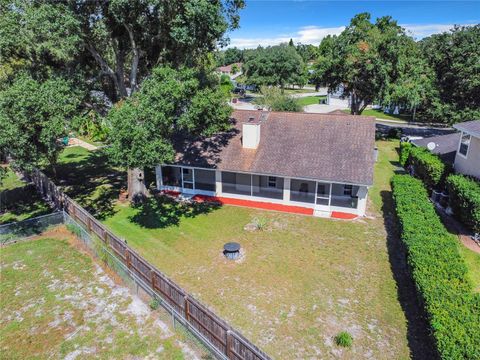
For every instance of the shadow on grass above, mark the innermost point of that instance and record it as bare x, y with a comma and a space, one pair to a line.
162, 211
92, 181
419, 339
21, 203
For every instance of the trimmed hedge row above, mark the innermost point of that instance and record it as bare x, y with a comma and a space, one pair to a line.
439, 272
405, 148
465, 200
428, 167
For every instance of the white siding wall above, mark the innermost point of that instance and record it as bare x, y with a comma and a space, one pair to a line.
469, 165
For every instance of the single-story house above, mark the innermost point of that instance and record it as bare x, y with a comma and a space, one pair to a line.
467, 158
316, 164
445, 146
227, 69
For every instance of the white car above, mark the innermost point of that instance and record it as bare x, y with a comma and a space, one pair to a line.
410, 138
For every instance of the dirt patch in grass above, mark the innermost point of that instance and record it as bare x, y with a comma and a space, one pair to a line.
57, 303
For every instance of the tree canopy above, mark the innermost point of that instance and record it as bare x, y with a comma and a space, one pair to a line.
371, 62
276, 66
116, 43
33, 116
454, 59
274, 99
170, 103
106, 49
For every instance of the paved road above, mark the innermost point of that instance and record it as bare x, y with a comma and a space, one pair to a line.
412, 129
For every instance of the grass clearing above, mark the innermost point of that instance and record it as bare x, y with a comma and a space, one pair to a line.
89, 178
300, 281
298, 91
472, 260
57, 303
19, 201
310, 100
10, 181
381, 115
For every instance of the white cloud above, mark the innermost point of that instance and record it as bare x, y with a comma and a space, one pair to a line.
306, 35
421, 31
314, 34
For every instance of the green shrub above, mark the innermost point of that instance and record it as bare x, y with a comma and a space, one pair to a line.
405, 148
394, 133
465, 200
154, 304
428, 167
344, 339
439, 272
274, 99
260, 223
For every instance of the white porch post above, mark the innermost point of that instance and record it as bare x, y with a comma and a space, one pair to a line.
158, 176
286, 189
362, 200
218, 182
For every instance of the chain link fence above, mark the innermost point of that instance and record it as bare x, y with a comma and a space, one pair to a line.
25, 229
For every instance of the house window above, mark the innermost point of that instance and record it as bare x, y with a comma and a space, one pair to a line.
347, 190
464, 144
272, 181
302, 191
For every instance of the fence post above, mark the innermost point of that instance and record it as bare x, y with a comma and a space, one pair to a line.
127, 257
152, 276
187, 313
229, 344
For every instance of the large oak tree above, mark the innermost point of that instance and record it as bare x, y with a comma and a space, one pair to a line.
170, 103
371, 62
454, 59
275, 66
111, 46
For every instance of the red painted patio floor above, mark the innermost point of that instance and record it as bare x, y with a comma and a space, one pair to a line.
268, 206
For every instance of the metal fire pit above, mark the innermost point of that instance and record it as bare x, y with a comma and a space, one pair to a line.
231, 250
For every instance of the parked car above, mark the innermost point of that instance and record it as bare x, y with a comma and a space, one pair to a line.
410, 138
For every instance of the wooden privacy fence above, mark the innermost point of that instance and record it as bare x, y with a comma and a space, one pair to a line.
219, 333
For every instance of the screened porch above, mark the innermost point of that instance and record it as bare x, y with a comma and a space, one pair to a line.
290, 191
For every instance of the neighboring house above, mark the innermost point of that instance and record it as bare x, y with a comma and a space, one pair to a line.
337, 98
314, 164
227, 70
467, 158
445, 146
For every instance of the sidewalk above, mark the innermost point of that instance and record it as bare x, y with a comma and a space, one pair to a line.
84, 144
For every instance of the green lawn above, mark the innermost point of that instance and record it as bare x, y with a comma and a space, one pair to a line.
301, 281
19, 201
381, 115
89, 178
57, 303
298, 91
472, 259
10, 181
310, 100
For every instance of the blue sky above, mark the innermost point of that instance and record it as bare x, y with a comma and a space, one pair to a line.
269, 22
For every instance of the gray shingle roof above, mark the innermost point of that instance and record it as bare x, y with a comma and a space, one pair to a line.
335, 148
445, 145
471, 127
